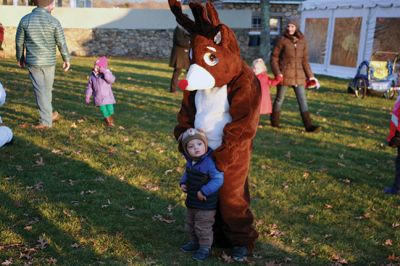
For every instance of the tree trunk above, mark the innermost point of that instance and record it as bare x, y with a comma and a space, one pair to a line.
60, 3
5, 2
265, 38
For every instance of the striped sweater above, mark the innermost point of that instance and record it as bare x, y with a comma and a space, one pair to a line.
39, 33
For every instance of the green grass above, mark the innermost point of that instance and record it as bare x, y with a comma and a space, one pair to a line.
94, 196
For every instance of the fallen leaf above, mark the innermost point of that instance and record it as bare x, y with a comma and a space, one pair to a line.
73, 125
75, 245
161, 218
341, 156
226, 258
393, 258
306, 175
52, 261
345, 180
7, 262
395, 225
121, 127
288, 155
42, 242
168, 171
56, 151
328, 206
388, 242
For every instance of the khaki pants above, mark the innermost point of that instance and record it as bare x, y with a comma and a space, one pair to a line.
199, 224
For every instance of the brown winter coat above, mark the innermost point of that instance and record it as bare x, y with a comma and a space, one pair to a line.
180, 49
290, 58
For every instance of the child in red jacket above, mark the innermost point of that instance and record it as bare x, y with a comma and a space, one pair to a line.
394, 141
260, 69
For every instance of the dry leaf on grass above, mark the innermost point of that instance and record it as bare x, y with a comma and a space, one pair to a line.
338, 259
161, 218
39, 162
75, 245
395, 225
328, 206
388, 242
73, 125
7, 262
393, 258
52, 261
226, 258
42, 243
168, 171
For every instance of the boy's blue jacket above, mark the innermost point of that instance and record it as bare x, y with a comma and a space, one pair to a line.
203, 175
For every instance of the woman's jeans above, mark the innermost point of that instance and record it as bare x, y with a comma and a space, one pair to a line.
300, 95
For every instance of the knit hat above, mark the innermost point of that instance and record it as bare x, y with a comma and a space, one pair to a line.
102, 62
294, 20
43, 3
190, 134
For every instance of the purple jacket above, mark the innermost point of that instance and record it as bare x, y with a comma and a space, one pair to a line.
99, 86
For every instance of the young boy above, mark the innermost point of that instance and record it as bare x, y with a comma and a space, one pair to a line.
201, 181
394, 141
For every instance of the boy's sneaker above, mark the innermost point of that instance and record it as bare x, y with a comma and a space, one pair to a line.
239, 253
392, 190
201, 254
189, 247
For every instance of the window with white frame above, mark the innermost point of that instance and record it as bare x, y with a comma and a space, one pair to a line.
84, 3
256, 27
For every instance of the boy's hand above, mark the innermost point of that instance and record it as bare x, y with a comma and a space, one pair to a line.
184, 188
200, 196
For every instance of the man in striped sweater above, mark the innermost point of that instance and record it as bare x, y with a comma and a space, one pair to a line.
38, 35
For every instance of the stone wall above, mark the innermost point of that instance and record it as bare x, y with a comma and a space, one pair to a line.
124, 42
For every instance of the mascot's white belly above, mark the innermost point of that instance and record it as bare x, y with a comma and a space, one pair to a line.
212, 114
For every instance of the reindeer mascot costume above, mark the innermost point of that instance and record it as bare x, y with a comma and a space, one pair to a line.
222, 97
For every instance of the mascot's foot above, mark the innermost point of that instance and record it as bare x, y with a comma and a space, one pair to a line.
239, 253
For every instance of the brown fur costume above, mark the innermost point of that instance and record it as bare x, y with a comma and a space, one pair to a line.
218, 43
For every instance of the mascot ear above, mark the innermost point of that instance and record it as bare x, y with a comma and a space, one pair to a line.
218, 38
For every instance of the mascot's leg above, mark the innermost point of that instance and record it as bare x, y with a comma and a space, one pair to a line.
234, 203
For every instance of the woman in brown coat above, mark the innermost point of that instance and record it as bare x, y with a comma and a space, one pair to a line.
179, 55
290, 60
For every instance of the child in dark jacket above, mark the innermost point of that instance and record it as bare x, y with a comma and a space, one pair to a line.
394, 141
201, 181
99, 86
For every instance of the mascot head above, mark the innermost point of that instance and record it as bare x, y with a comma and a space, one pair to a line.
214, 54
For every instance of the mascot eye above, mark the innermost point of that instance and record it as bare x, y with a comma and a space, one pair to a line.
190, 54
210, 59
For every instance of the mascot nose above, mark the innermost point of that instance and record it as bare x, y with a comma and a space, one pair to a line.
182, 84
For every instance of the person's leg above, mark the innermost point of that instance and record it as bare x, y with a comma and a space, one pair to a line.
396, 184
174, 79
278, 102
104, 110
6, 135
203, 225
395, 188
193, 244
303, 107
1, 46
110, 108
42, 81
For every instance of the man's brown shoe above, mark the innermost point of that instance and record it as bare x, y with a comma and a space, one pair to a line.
55, 116
40, 127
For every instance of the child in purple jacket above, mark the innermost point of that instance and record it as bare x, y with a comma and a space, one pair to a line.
99, 86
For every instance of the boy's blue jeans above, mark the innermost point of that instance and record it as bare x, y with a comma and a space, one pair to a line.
42, 78
300, 95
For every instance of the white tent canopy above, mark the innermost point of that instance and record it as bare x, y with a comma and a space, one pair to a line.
343, 33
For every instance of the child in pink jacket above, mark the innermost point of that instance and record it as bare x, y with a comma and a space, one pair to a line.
99, 86
394, 141
260, 69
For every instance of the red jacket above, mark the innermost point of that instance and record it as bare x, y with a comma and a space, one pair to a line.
394, 121
266, 82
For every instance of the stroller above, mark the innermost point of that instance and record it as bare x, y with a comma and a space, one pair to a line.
381, 74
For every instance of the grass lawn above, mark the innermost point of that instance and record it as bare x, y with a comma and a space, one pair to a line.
82, 194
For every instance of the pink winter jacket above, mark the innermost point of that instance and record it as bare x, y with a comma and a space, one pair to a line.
99, 86
394, 122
